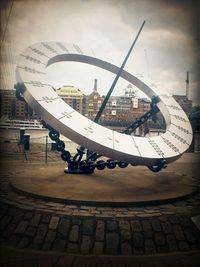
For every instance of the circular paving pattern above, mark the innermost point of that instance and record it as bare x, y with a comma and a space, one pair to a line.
30, 223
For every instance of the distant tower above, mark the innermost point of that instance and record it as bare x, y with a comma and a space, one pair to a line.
187, 85
95, 85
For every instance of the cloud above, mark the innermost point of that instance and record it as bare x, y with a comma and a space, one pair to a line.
166, 48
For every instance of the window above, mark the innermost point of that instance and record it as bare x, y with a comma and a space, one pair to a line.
114, 103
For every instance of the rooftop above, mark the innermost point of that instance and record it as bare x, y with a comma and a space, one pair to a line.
69, 90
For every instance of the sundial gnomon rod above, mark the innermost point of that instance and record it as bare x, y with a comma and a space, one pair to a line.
99, 113
103, 105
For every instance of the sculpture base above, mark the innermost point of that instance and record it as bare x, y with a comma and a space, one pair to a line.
132, 186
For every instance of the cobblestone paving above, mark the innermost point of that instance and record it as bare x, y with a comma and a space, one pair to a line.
34, 224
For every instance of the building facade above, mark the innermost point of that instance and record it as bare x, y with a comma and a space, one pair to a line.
92, 103
184, 102
120, 110
13, 108
72, 96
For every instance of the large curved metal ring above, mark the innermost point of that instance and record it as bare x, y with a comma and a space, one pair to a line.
31, 71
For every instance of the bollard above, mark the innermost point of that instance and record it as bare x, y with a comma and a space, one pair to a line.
192, 145
46, 150
21, 134
26, 141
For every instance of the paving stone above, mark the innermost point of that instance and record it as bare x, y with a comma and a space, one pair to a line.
156, 225
149, 246
21, 227
88, 226
183, 245
138, 240
167, 227
13, 240
4, 222
54, 222
98, 248
178, 232
72, 247
136, 226
174, 219
9, 230
31, 231
112, 243
41, 232
196, 233
85, 245
148, 233
4, 209
55, 204
111, 225
50, 236
84, 213
76, 221
163, 218
125, 230
11, 211
24, 242
171, 241
45, 218
184, 221
59, 244
162, 249
35, 220
63, 227
100, 229
190, 237
160, 239
146, 226
74, 234
125, 235
126, 248
28, 215
18, 217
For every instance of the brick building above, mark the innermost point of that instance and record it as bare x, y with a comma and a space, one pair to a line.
72, 96
13, 108
123, 108
92, 103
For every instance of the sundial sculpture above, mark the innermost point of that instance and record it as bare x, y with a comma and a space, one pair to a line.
121, 148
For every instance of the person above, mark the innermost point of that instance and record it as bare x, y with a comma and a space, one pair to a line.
146, 129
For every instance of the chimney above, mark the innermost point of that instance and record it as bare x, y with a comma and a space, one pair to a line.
95, 85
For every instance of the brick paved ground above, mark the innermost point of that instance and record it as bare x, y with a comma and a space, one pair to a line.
36, 232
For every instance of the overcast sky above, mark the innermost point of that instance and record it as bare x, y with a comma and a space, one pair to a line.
167, 48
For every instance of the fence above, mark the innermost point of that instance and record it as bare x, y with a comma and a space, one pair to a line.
42, 149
